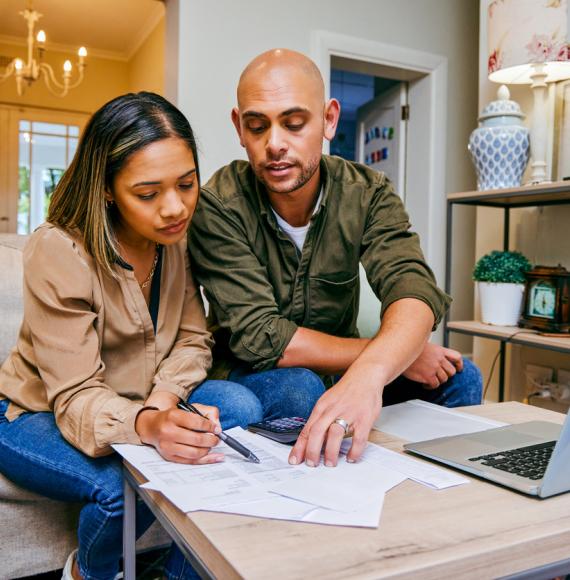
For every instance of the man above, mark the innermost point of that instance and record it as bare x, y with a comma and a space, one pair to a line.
277, 243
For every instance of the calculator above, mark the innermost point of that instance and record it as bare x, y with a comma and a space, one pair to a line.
284, 430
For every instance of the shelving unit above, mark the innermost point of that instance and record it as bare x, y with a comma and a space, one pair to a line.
555, 193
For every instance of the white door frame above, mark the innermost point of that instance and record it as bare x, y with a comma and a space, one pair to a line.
425, 191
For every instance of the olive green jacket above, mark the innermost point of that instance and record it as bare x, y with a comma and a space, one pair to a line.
261, 289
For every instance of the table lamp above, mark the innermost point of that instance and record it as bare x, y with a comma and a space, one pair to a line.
528, 44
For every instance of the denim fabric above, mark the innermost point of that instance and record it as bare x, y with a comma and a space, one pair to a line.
290, 392
464, 388
34, 455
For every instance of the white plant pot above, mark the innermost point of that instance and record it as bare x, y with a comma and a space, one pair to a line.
500, 303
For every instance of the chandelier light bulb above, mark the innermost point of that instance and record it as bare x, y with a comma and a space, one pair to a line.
34, 68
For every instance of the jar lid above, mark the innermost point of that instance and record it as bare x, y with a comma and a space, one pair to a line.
502, 107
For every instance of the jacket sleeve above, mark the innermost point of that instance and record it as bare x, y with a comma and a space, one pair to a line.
190, 358
392, 257
237, 285
58, 299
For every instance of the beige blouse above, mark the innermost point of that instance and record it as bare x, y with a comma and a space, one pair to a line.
87, 349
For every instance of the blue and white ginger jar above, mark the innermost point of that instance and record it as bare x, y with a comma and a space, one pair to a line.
499, 147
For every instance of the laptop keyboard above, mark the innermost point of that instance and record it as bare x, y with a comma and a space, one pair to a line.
529, 462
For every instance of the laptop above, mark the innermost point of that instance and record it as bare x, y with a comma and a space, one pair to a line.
532, 457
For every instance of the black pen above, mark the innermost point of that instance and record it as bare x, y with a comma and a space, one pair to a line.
227, 439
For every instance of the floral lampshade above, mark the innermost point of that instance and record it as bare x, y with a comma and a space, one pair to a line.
525, 32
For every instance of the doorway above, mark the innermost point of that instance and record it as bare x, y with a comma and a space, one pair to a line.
371, 131
426, 78
372, 126
39, 146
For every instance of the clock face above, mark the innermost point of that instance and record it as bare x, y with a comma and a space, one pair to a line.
542, 300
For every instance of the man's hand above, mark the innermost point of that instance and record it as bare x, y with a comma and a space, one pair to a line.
435, 365
181, 436
353, 399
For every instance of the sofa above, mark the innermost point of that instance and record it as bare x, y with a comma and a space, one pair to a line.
36, 534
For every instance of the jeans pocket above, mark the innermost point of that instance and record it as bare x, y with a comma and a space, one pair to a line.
3, 408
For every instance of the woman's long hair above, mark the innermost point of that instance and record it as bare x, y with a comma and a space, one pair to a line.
116, 131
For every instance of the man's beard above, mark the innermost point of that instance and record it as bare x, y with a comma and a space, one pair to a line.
307, 171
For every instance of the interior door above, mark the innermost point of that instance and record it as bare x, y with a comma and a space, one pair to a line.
381, 135
36, 146
381, 144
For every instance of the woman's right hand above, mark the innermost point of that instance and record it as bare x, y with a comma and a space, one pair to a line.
181, 436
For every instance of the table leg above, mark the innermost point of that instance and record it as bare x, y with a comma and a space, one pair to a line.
129, 531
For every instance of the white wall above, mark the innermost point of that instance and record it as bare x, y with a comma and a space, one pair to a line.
216, 40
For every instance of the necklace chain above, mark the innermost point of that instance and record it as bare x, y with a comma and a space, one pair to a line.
151, 273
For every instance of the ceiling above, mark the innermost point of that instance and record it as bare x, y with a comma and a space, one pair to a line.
111, 28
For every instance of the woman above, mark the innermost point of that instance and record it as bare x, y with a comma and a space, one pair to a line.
114, 331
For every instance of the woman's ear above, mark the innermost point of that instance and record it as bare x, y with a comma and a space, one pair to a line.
109, 199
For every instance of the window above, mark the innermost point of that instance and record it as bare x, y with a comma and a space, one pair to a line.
36, 147
45, 151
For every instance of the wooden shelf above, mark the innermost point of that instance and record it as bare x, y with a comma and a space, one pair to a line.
511, 334
556, 192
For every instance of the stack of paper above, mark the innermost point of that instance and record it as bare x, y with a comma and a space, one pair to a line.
350, 494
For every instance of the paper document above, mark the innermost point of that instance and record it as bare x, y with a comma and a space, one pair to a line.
414, 468
193, 487
346, 487
419, 421
284, 508
350, 494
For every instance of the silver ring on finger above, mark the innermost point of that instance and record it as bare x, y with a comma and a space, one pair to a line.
343, 423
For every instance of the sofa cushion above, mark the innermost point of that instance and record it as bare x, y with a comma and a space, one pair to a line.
11, 304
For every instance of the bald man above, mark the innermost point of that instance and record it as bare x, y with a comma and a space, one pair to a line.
276, 244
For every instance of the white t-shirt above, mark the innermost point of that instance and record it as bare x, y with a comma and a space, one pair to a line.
297, 234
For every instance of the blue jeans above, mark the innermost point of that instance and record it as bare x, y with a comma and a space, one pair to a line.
34, 454
293, 392
463, 389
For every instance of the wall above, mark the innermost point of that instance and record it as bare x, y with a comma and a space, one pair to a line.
540, 233
146, 66
104, 79
208, 50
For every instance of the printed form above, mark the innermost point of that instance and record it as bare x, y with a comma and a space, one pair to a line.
351, 494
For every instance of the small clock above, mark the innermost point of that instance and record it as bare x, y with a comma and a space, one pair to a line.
547, 300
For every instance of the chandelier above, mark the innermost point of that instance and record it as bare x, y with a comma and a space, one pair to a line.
29, 71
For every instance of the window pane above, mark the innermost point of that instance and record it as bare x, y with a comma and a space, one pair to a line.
24, 184
72, 149
25, 126
42, 161
73, 131
50, 128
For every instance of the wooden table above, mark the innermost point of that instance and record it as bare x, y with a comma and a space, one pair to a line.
478, 531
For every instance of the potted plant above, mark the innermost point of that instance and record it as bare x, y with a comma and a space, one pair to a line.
500, 278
